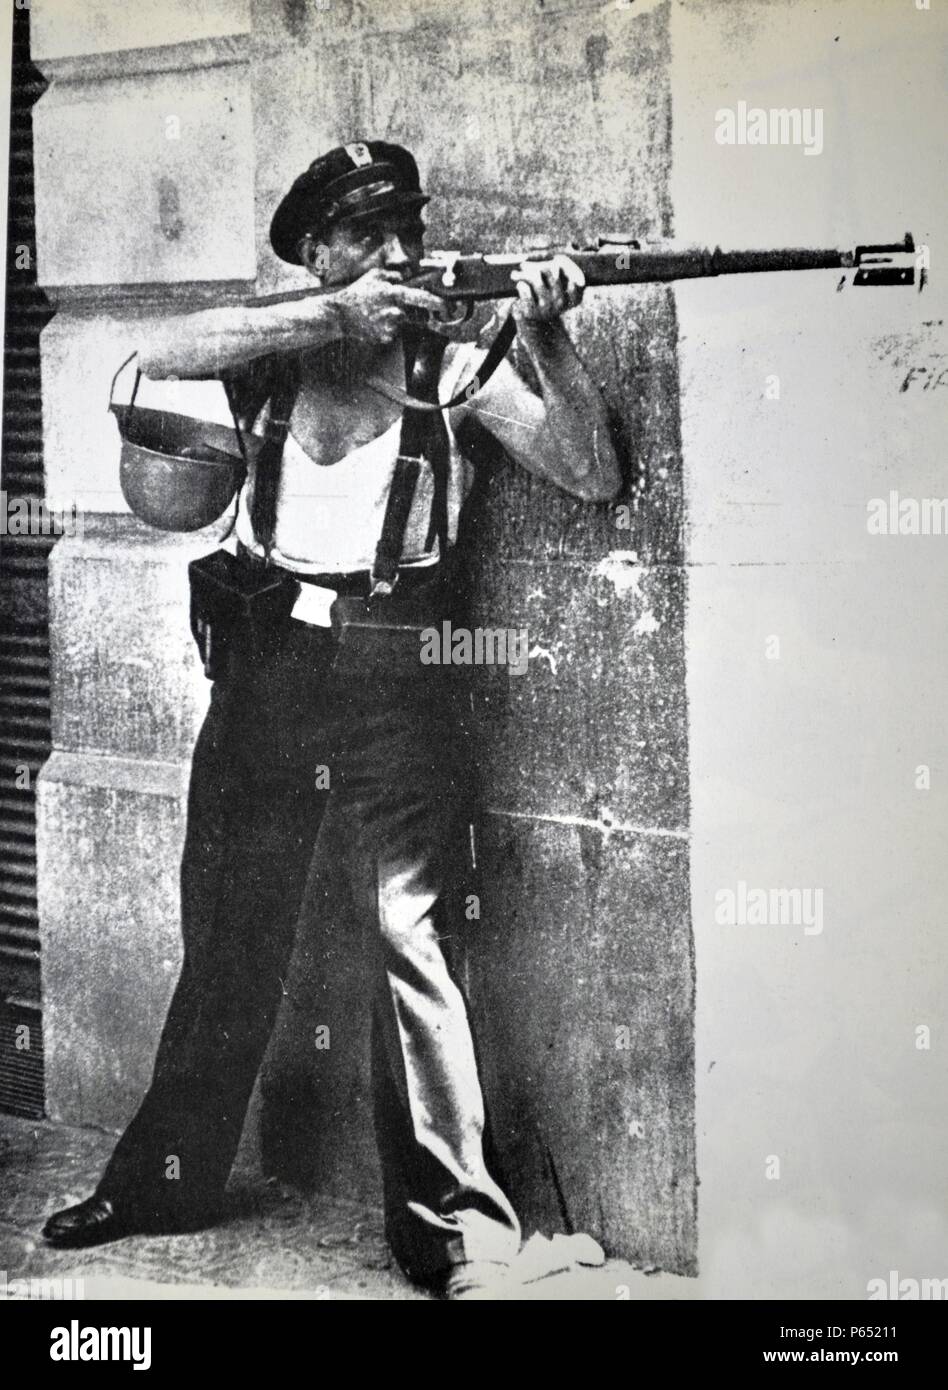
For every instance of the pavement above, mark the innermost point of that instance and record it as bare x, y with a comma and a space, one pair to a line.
274, 1241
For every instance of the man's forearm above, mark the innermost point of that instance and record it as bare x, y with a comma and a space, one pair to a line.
577, 426
204, 344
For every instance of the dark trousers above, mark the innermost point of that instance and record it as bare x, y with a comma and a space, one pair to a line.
396, 774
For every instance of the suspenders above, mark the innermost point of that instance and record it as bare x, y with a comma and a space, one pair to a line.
423, 442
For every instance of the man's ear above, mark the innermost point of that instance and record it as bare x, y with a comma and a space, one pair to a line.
315, 256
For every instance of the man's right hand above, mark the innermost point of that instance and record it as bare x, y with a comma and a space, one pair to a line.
372, 310
375, 308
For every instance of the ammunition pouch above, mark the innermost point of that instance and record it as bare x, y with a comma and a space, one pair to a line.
379, 640
231, 599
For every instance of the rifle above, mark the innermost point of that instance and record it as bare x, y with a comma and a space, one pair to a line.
615, 261
466, 280
150, 438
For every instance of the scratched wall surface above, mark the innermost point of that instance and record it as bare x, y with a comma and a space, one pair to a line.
528, 120
584, 860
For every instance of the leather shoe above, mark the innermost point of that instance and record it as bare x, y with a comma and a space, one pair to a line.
475, 1281
92, 1222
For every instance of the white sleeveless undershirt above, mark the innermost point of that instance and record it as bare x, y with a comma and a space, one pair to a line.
329, 517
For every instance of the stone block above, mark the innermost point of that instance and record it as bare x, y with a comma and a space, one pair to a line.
157, 176
80, 352
109, 837
109, 26
596, 728
126, 678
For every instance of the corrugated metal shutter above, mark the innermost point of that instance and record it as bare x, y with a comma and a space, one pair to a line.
24, 637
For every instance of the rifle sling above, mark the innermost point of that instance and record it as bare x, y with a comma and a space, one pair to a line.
270, 458
497, 352
423, 439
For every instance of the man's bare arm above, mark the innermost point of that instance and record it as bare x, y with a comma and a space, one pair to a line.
371, 310
562, 434
204, 344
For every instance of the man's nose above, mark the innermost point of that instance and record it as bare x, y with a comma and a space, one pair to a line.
394, 254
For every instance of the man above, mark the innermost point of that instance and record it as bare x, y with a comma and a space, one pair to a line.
343, 511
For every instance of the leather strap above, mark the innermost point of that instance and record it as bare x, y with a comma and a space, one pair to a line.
495, 355
423, 439
270, 458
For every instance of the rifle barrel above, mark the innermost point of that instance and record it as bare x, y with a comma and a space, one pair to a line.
481, 278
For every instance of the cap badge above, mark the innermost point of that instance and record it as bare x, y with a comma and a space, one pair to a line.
359, 154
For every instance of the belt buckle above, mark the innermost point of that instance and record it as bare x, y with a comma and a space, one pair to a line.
380, 587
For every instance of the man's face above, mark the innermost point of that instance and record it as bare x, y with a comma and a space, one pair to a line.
393, 241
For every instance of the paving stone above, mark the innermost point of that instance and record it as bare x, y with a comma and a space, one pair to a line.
272, 1237
277, 1243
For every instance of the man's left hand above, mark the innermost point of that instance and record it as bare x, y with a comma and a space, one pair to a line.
546, 289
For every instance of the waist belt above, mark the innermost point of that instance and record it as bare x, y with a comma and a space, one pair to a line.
356, 582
